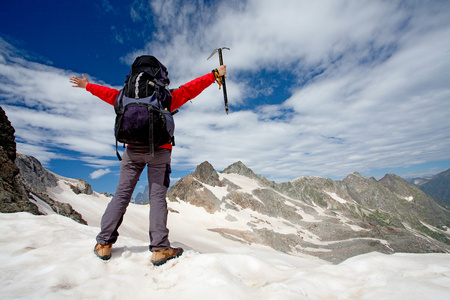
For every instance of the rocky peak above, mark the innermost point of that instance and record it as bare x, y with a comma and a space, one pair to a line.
397, 184
240, 169
355, 177
206, 173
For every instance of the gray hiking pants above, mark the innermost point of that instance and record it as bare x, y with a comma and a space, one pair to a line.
133, 163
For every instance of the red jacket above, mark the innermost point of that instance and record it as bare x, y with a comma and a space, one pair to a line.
180, 96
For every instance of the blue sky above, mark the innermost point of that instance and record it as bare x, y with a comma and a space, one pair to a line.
316, 88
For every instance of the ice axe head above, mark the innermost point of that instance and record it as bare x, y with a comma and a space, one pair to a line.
220, 53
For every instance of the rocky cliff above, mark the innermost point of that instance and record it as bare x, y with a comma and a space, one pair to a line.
23, 180
13, 195
331, 219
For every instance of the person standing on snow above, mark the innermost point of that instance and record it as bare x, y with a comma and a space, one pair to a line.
158, 167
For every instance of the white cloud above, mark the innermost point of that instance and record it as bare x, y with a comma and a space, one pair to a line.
99, 173
378, 99
96, 162
48, 114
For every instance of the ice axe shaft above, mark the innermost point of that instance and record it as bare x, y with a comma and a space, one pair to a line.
225, 97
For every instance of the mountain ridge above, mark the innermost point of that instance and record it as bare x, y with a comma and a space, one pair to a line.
438, 187
358, 214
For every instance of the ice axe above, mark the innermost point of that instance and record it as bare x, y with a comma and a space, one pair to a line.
225, 97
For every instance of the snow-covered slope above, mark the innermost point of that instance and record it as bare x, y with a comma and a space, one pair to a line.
51, 257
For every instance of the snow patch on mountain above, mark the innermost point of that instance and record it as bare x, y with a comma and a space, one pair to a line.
336, 197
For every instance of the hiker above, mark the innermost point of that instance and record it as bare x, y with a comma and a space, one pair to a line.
135, 158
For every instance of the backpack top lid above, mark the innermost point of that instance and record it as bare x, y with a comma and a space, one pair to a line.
152, 66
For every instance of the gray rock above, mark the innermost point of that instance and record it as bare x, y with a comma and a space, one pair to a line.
206, 174
13, 195
189, 189
33, 173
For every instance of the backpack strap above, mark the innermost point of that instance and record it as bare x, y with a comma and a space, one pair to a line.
119, 116
117, 151
151, 130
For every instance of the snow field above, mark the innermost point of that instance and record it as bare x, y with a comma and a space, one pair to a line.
51, 257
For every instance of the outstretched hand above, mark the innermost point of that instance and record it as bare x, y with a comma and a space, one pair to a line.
78, 82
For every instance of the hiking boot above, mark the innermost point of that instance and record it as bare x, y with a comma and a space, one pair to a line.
103, 251
160, 257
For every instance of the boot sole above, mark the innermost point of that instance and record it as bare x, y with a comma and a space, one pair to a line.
164, 260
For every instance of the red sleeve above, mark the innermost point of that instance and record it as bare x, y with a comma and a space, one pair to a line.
107, 94
191, 90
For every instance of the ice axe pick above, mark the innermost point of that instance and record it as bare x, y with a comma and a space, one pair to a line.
225, 97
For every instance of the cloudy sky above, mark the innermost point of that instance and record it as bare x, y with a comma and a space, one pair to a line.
318, 88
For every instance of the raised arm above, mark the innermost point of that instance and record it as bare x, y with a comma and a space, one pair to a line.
107, 94
193, 88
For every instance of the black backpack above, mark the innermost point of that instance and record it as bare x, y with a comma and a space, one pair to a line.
142, 107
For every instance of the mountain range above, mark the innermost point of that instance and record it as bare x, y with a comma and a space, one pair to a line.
333, 220
330, 219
